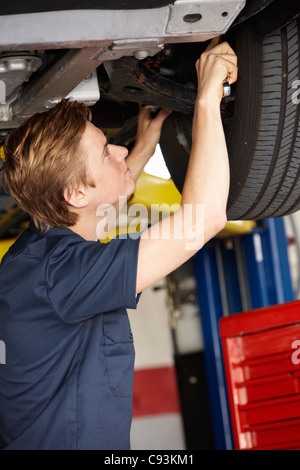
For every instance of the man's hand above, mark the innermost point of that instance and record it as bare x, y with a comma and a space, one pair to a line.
217, 64
149, 129
148, 135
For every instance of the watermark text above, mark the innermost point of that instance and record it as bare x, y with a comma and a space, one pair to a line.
296, 94
2, 352
296, 353
187, 223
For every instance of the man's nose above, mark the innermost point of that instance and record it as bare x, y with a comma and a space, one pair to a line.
120, 153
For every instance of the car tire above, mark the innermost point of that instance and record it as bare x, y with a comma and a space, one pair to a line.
263, 137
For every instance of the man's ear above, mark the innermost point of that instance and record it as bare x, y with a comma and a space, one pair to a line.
76, 197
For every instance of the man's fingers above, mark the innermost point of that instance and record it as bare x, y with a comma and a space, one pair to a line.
230, 63
232, 58
146, 122
232, 76
213, 43
219, 48
162, 115
225, 56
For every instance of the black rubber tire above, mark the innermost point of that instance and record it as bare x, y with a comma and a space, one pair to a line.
264, 137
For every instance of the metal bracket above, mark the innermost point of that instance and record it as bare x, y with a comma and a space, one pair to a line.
200, 16
183, 21
58, 81
87, 91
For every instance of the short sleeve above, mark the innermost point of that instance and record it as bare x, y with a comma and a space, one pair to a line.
88, 278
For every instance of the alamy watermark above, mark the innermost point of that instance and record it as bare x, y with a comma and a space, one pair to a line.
296, 94
2, 92
296, 354
2, 352
187, 223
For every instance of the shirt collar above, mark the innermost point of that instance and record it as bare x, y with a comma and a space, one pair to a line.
53, 231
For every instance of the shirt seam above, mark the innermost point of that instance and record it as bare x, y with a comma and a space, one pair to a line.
77, 387
47, 284
126, 294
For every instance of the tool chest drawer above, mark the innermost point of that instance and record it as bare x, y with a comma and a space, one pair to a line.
261, 352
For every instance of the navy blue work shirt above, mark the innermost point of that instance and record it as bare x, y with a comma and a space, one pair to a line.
68, 378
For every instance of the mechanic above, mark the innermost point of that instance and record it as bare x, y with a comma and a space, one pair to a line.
68, 378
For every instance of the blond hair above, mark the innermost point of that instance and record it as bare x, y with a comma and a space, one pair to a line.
43, 158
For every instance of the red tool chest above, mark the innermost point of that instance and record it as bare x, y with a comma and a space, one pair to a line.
261, 352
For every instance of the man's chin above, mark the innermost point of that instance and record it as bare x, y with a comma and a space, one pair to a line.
132, 189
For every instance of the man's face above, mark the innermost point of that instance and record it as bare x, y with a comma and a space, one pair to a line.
107, 167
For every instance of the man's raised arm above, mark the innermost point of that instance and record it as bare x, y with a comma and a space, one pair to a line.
202, 214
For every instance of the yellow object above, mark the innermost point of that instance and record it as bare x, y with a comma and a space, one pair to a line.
156, 194
5, 245
237, 227
151, 190
2, 154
